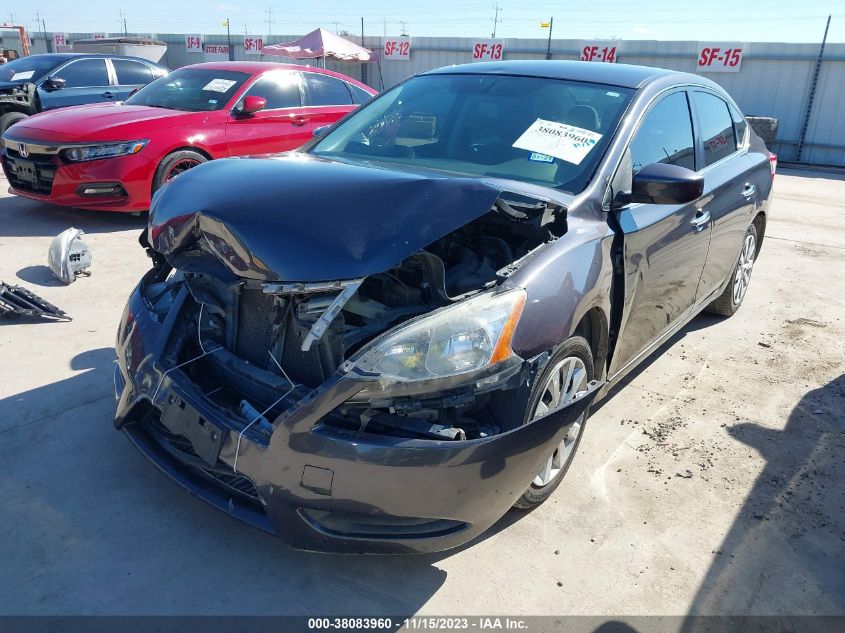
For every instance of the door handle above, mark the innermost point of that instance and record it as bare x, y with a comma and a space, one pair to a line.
749, 190
700, 220
108, 95
299, 119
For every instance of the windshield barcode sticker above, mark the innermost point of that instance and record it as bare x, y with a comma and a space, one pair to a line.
560, 140
219, 85
24, 75
537, 157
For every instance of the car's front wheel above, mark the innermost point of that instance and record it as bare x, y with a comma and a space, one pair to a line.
567, 373
9, 119
731, 298
174, 164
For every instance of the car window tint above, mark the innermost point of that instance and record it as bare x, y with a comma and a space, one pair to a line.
280, 89
84, 73
740, 125
131, 73
665, 135
323, 90
359, 95
716, 127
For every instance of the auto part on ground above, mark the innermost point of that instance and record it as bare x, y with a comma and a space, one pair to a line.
69, 257
16, 301
403, 245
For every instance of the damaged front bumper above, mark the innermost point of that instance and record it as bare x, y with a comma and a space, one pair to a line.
318, 486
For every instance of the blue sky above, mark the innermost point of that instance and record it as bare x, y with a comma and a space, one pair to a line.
706, 20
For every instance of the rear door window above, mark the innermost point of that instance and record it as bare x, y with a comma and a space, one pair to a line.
716, 128
322, 90
85, 73
131, 73
281, 90
665, 135
359, 95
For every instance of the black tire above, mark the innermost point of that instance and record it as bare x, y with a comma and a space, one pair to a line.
578, 347
174, 164
9, 119
727, 304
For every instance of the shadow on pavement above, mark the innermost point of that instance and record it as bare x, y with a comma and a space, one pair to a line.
21, 217
98, 530
39, 275
786, 548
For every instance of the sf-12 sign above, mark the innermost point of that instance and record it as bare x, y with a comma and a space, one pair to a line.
193, 43
253, 45
599, 52
396, 48
487, 51
719, 59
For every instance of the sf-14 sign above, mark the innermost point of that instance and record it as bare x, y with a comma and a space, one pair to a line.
599, 52
719, 59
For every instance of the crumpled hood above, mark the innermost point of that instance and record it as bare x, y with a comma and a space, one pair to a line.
302, 218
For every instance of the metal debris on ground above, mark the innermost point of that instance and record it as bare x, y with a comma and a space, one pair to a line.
69, 257
19, 302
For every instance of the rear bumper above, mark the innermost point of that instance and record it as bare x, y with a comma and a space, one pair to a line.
60, 183
317, 486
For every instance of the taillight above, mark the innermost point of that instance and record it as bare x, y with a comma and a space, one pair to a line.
773, 163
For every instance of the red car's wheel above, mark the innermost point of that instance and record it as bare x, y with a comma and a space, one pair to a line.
175, 164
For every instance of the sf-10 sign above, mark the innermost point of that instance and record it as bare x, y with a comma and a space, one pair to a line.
253, 45
598, 52
487, 51
718, 59
396, 48
193, 43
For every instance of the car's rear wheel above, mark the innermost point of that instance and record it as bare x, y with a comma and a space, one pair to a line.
731, 298
566, 374
174, 164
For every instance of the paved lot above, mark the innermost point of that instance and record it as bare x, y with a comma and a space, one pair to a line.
712, 483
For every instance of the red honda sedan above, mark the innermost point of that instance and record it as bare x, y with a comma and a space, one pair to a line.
114, 156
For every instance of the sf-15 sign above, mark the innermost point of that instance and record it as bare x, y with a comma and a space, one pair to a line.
714, 58
487, 51
396, 48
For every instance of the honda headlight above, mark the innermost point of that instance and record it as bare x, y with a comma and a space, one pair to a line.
463, 338
106, 150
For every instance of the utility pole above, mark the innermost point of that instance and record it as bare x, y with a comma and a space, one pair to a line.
496, 19
39, 18
269, 20
812, 94
122, 20
385, 27
363, 64
336, 27
549, 46
229, 41
404, 29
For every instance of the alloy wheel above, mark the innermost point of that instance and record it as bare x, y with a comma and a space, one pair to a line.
742, 277
178, 167
567, 379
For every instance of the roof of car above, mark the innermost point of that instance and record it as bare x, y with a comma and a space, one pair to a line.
260, 67
62, 56
624, 75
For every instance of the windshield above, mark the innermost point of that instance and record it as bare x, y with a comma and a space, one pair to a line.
28, 68
194, 90
546, 131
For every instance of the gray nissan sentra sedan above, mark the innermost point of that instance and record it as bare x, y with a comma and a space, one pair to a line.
385, 340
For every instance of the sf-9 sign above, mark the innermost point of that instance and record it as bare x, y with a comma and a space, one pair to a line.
487, 51
193, 43
396, 48
718, 59
598, 52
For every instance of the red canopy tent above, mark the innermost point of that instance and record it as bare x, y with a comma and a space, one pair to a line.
320, 44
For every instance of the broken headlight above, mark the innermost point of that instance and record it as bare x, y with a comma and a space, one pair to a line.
463, 338
106, 150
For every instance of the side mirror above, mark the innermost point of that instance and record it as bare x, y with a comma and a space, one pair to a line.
664, 183
319, 131
54, 83
252, 104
